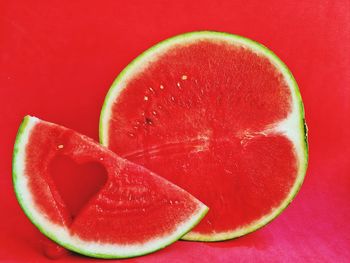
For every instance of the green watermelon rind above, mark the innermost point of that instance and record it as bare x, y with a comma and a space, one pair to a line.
146, 55
22, 131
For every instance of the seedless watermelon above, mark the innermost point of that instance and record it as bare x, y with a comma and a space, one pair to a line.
133, 213
219, 115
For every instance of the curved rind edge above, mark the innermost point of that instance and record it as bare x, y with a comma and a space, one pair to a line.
103, 129
23, 131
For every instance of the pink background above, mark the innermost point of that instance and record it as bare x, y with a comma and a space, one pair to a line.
58, 59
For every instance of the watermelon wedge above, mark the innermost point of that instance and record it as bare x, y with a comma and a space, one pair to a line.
219, 115
133, 213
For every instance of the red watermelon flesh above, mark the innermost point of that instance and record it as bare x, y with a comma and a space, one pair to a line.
216, 115
124, 210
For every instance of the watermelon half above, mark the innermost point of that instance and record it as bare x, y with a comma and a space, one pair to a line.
219, 115
133, 213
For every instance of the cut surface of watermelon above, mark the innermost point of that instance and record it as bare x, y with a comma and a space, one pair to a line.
219, 115
133, 213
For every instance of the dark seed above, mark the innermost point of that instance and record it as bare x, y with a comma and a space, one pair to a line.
148, 121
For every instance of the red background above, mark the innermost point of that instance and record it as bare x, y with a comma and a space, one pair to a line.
58, 59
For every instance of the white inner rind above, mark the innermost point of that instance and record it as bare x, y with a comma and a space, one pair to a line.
292, 127
62, 235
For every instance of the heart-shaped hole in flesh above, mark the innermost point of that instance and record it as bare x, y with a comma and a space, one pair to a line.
76, 183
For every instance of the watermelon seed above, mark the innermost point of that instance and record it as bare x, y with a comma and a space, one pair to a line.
131, 134
148, 121
145, 98
101, 159
151, 89
184, 77
178, 85
60, 146
154, 113
161, 87
172, 98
